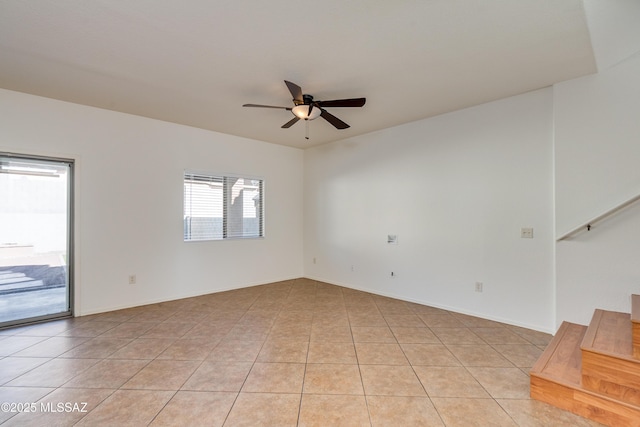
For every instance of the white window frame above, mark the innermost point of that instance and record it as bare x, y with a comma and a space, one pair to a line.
224, 222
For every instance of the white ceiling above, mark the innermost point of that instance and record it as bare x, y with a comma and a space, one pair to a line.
195, 62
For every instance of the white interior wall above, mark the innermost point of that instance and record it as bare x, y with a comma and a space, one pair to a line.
597, 127
597, 151
599, 268
456, 190
596, 143
613, 26
129, 201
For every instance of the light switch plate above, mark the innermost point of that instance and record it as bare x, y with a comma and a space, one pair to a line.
526, 233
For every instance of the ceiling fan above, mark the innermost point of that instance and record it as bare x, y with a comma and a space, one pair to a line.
306, 108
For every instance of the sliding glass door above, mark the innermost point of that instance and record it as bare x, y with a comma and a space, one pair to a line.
36, 223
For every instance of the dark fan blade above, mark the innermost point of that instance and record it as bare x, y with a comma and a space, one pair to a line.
353, 102
290, 123
310, 108
296, 91
339, 124
267, 106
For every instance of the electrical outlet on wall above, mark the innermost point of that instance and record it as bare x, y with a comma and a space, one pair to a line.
479, 286
132, 279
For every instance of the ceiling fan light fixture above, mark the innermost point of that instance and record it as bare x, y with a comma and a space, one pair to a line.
306, 108
302, 112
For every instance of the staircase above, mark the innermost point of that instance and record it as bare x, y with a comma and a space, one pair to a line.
12, 282
594, 371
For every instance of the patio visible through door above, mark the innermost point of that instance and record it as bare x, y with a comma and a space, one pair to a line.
36, 257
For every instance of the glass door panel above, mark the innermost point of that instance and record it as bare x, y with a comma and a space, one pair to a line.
35, 239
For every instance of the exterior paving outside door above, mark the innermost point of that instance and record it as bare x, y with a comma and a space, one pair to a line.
36, 235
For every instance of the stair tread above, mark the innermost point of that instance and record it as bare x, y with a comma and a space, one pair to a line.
31, 283
11, 280
590, 370
562, 360
610, 333
8, 274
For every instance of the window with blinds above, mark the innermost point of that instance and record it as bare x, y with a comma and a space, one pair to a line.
222, 207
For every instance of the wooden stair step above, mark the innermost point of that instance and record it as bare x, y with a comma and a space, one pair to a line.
561, 360
609, 333
608, 365
635, 324
556, 379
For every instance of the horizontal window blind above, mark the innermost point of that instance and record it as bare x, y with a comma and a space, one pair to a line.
222, 207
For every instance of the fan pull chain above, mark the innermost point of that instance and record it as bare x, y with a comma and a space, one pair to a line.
306, 132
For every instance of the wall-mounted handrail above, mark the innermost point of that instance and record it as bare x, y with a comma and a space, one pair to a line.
587, 225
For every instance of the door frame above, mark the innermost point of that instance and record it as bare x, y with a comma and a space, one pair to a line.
70, 266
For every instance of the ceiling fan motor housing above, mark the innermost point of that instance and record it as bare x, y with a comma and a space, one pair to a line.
306, 100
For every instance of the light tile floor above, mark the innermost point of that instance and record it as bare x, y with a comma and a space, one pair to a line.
291, 353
